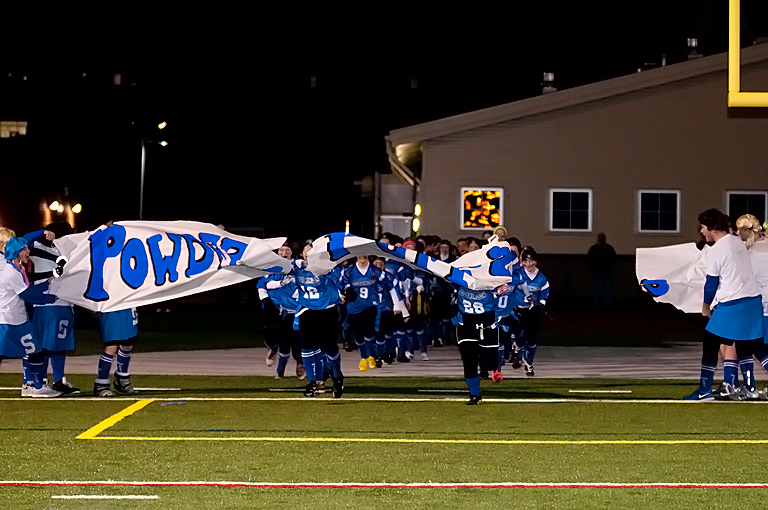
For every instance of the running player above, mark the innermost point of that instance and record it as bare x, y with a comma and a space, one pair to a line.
530, 296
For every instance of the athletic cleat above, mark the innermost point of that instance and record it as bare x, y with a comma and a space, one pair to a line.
744, 393
279, 375
724, 391
26, 389
102, 390
65, 388
271, 356
389, 359
349, 346
311, 389
371, 362
474, 400
697, 396
403, 359
338, 387
44, 392
438, 342
424, 356
496, 376
528, 367
320, 387
409, 355
363, 366
123, 385
301, 372
379, 363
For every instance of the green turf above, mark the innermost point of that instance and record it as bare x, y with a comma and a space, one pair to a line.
39, 444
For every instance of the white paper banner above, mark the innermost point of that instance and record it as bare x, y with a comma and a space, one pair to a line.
135, 263
482, 269
674, 274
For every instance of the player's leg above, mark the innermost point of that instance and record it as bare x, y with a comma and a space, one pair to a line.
101, 384
311, 352
369, 335
531, 324
709, 352
730, 371
469, 348
55, 327
328, 327
285, 339
122, 382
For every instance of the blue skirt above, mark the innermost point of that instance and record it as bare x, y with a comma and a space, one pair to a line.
17, 341
53, 327
740, 319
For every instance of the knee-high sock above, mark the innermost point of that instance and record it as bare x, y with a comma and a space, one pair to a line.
529, 352
282, 362
335, 362
707, 376
37, 368
731, 372
474, 385
311, 361
747, 367
370, 347
105, 366
361, 347
57, 364
421, 334
381, 346
501, 357
123, 359
28, 378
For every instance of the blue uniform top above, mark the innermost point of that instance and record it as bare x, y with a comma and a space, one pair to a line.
365, 284
536, 287
475, 302
315, 292
286, 296
505, 303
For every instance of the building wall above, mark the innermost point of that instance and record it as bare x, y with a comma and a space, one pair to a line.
675, 136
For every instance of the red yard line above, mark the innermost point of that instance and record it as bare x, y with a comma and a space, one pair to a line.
353, 485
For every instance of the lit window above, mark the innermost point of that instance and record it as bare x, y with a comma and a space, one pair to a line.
482, 208
658, 210
10, 129
570, 209
747, 202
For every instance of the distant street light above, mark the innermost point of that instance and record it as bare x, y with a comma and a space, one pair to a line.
143, 166
163, 143
54, 205
162, 125
77, 208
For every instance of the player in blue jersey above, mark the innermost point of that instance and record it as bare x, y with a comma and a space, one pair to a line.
478, 337
391, 310
318, 322
119, 330
284, 293
402, 274
360, 284
16, 332
530, 297
419, 304
509, 332
53, 323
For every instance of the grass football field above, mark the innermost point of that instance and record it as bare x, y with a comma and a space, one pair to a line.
242, 443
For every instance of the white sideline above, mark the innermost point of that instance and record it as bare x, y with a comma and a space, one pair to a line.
88, 496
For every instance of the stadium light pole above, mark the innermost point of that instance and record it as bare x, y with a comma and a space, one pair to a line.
144, 143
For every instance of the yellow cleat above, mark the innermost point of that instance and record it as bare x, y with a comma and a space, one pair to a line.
371, 362
363, 364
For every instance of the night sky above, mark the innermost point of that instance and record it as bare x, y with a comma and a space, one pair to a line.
252, 144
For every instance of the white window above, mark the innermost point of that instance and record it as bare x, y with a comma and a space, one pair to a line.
658, 210
570, 210
747, 202
482, 208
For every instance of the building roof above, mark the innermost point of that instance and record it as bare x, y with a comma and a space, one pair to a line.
575, 96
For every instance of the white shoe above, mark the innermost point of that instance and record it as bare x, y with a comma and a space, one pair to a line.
409, 355
44, 392
26, 389
424, 356
271, 357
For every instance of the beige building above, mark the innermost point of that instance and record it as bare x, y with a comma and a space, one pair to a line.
637, 157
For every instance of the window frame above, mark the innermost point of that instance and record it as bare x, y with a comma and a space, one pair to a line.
590, 210
480, 188
730, 192
678, 212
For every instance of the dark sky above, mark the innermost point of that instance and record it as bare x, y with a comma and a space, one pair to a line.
252, 144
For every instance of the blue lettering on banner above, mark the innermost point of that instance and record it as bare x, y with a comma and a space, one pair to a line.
104, 244
197, 266
500, 259
161, 265
391, 250
212, 241
655, 287
457, 276
228, 245
336, 248
134, 265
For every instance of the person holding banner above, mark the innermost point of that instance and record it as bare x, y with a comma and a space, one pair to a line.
16, 332
737, 315
318, 317
118, 332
